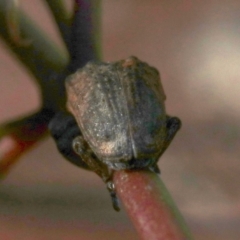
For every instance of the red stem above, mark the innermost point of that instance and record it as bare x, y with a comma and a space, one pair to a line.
149, 206
12, 146
11, 149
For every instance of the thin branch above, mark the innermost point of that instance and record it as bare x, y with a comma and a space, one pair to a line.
62, 18
11, 149
150, 206
27, 127
85, 33
19, 136
42, 58
12, 18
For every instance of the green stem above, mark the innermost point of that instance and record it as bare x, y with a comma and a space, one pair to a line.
96, 16
62, 18
42, 58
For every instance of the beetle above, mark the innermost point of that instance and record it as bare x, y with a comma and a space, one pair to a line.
118, 119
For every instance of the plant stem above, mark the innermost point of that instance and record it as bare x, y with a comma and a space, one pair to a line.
85, 33
42, 58
62, 18
150, 206
48, 65
19, 136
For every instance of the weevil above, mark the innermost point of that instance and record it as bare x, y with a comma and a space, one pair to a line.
118, 119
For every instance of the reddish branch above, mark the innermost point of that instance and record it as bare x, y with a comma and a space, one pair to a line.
11, 148
22, 137
149, 206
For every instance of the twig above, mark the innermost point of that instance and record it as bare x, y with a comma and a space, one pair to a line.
42, 58
19, 136
150, 206
85, 33
62, 18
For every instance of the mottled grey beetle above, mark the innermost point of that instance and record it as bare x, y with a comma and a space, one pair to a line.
119, 108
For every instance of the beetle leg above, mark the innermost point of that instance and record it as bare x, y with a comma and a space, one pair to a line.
113, 195
82, 148
64, 129
67, 135
154, 168
173, 124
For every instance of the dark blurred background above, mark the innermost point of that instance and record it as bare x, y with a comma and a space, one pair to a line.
196, 47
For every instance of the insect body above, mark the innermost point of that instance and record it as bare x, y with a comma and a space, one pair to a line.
119, 108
